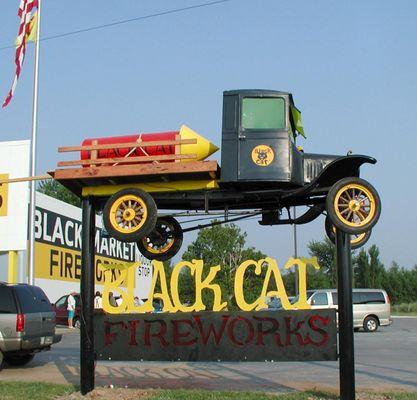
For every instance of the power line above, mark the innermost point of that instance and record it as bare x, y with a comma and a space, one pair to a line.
126, 21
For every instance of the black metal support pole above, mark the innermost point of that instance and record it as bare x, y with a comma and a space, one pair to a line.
346, 344
87, 356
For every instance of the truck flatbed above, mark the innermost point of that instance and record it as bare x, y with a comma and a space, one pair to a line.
171, 175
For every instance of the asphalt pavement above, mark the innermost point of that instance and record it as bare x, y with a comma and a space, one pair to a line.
385, 360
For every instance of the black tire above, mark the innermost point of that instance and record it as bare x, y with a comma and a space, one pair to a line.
164, 241
353, 205
356, 329
76, 323
130, 226
370, 324
19, 360
356, 241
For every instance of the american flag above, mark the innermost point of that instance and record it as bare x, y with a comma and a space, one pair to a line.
26, 8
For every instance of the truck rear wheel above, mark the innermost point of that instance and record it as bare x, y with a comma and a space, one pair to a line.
353, 205
164, 241
129, 215
356, 241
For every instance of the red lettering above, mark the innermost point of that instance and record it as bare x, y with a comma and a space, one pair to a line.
273, 329
211, 331
133, 326
231, 331
325, 335
178, 336
160, 334
293, 331
109, 337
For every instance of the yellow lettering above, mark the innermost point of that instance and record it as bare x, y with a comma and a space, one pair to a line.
126, 276
273, 270
178, 306
302, 263
200, 285
159, 273
110, 287
239, 279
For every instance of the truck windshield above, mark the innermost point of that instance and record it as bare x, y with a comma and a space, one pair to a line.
264, 113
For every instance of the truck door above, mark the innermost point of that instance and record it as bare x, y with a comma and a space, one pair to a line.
263, 146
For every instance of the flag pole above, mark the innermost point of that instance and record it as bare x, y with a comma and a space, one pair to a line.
31, 267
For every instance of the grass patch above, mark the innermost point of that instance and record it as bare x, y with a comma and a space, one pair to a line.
215, 395
402, 396
404, 309
48, 391
33, 390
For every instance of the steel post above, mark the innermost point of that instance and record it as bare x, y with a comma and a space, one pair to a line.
345, 310
87, 356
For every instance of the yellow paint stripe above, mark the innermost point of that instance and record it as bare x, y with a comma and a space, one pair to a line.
157, 187
12, 273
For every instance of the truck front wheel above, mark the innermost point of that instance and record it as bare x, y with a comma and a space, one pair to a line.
353, 205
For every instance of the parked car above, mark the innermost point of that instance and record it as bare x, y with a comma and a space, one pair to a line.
371, 307
60, 308
27, 323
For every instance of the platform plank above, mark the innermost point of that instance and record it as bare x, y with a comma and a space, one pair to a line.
204, 167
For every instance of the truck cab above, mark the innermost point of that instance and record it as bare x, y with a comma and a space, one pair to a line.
258, 139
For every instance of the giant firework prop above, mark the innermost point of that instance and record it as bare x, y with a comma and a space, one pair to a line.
147, 147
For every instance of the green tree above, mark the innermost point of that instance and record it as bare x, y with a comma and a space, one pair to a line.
326, 277
224, 246
369, 271
54, 189
401, 284
361, 270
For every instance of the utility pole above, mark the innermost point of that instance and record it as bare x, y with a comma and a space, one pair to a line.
31, 250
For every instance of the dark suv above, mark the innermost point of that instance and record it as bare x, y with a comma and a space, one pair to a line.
27, 323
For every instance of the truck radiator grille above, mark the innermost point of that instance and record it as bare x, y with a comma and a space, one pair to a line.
312, 168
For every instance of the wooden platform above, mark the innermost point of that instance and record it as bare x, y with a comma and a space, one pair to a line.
75, 179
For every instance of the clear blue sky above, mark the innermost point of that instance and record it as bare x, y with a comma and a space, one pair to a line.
352, 67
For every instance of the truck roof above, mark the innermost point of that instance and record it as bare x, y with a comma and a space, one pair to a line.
256, 92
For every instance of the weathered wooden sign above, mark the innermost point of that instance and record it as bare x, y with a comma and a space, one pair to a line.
302, 335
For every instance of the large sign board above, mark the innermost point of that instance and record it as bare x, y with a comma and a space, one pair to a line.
302, 335
14, 163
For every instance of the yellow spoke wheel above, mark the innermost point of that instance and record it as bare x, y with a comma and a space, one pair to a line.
129, 215
164, 241
356, 240
353, 205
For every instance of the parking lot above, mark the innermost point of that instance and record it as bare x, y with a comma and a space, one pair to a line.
385, 360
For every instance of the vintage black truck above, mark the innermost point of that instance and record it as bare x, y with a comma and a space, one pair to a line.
263, 173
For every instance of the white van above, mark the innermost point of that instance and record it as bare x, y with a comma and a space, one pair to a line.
371, 307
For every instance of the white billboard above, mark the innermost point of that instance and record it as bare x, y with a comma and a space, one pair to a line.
14, 197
